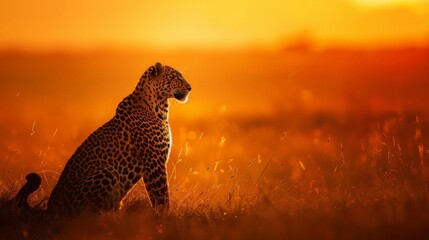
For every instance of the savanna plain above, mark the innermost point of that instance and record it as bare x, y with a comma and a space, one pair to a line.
294, 144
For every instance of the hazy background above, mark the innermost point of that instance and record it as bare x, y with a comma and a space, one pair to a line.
221, 24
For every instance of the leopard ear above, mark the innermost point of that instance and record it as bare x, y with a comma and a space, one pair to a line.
158, 69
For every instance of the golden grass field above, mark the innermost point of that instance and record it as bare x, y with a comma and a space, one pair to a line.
271, 145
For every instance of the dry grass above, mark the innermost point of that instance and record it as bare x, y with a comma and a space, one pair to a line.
379, 192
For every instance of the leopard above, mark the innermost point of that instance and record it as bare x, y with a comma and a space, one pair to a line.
135, 144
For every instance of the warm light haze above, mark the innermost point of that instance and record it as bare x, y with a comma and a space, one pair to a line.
307, 119
216, 24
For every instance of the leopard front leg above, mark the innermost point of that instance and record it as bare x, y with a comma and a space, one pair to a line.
155, 179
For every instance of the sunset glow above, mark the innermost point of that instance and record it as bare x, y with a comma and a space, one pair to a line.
221, 24
411, 3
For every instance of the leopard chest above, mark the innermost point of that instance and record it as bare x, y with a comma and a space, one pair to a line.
153, 140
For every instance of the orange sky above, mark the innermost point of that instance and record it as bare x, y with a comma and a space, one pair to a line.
220, 23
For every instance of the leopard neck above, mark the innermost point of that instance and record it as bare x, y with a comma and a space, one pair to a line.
146, 98
160, 108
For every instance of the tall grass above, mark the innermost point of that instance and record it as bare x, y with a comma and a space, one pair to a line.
368, 184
